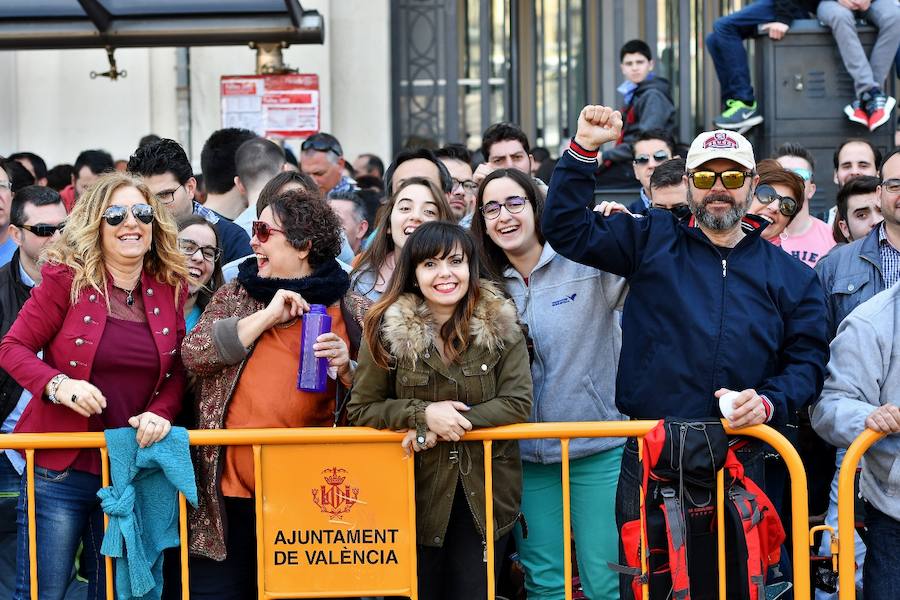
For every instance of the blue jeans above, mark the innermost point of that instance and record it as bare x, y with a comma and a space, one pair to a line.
726, 46
881, 577
67, 513
10, 482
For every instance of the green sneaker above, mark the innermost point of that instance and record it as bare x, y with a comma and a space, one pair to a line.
739, 116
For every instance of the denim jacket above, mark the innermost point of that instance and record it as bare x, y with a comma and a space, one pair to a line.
850, 275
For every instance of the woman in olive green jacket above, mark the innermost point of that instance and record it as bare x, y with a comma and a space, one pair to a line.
443, 354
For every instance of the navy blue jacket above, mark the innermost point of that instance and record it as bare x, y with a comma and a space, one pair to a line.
694, 322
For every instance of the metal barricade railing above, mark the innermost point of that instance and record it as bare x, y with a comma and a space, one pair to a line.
257, 438
846, 514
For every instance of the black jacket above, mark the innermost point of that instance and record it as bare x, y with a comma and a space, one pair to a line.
13, 294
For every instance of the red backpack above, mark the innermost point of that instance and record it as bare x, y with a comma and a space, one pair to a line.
680, 461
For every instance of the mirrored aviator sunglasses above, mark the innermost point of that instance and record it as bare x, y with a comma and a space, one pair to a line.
705, 180
116, 213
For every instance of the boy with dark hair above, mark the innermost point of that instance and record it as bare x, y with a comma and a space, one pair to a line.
165, 167
648, 106
726, 47
458, 159
651, 149
34, 163
89, 165
668, 190
858, 209
219, 171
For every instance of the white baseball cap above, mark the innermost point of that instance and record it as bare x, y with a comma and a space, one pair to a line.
720, 143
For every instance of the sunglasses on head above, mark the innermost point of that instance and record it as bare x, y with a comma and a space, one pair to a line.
116, 214
732, 180
321, 146
43, 230
513, 204
659, 156
263, 230
805, 174
766, 194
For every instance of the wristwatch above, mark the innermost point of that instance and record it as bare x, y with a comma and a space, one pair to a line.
53, 386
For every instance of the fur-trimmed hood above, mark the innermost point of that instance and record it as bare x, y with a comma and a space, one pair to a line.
409, 329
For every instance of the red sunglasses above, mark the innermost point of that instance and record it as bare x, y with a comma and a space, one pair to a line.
263, 230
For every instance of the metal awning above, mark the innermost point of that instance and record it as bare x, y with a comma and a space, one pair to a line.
61, 24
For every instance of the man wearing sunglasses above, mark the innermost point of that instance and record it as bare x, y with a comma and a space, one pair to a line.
736, 312
651, 149
37, 214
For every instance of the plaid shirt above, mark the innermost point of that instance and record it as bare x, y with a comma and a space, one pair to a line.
890, 259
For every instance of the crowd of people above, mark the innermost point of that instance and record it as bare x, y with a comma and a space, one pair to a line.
465, 290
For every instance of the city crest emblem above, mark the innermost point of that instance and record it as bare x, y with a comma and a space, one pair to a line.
335, 497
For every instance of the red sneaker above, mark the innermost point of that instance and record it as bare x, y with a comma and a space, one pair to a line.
879, 108
856, 113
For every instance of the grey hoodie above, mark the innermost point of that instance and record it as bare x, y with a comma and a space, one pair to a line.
863, 374
572, 315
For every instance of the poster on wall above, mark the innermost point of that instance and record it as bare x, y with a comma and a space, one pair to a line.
274, 106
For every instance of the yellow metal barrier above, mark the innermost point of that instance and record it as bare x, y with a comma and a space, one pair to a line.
258, 438
846, 514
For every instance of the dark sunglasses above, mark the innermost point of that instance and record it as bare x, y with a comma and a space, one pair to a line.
190, 247
321, 146
732, 180
659, 156
116, 213
766, 195
680, 211
44, 230
263, 230
513, 204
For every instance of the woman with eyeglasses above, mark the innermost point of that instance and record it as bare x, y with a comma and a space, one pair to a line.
416, 200
245, 351
97, 345
198, 240
443, 354
777, 199
560, 301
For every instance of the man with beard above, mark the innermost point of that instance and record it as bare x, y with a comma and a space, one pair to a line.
712, 307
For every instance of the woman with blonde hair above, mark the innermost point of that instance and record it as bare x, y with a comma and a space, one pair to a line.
109, 319
417, 200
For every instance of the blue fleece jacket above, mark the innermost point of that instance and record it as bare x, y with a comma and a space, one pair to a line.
142, 505
572, 313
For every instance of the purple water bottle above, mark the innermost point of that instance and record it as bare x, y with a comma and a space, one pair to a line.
313, 373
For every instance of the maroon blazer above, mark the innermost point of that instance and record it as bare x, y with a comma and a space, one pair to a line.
69, 335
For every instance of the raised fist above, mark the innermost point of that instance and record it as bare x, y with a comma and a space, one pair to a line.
598, 125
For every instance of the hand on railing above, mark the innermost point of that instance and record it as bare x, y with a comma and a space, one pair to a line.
748, 409
444, 419
150, 428
884, 419
410, 444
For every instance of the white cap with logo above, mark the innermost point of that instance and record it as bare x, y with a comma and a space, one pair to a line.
720, 143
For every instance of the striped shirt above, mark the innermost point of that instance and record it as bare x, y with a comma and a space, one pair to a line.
890, 259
